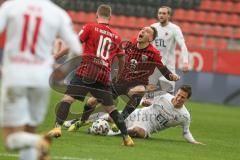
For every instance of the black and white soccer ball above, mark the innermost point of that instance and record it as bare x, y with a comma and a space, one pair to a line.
99, 127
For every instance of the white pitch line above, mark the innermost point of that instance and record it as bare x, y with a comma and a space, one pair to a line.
54, 157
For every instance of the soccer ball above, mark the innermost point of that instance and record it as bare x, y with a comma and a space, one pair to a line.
99, 127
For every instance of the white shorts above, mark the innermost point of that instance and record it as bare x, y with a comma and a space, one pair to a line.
166, 85
23, 106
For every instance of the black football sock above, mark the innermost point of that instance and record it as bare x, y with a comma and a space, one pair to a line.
119, 121
87, 111
62, 112
131, 106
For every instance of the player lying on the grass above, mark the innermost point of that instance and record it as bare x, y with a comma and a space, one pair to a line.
166, 111
141, 59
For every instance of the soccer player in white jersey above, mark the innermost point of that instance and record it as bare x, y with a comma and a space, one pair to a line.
165, 111
168, 35
32, 26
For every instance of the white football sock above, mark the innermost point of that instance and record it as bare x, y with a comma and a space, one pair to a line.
29, 154
21, 140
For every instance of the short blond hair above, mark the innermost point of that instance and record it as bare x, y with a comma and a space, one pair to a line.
104, 10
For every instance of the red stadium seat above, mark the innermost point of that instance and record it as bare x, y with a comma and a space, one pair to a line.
190, 15
227, 32
81, 17
141, 22
211, 43
222, 19
201, 16
211, 18
228, 7
119, 21
151, 21
90, 17
199, 42
217, 5
179, 14
185, 26
131, 22
236, 33
234, 20
222, 44
206, 5
236, 7
73, 15
215, 31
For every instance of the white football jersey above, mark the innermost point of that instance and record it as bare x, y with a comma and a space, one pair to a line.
32, 26
161, 115
166, 41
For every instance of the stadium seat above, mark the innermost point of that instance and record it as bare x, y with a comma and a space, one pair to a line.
217, 6
228, 7
222, 18
211, 43
200, 16
190, 15
185, 26
234, 20
206, 5
215, 31
119, 21
73, 15
151, 21
222, 44
211, 18
199, 42
131, 22
179, 14
81, 17
236, 7
236, 33
141, 22
227, 32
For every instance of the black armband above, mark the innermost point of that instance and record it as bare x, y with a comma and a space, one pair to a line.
165, 72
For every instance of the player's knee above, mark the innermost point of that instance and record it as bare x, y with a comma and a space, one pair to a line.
92, 102
137, 132
138, 90
68, 99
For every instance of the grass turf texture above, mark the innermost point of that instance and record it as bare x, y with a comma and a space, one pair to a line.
216, 125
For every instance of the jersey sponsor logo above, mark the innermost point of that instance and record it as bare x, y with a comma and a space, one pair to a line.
160, 42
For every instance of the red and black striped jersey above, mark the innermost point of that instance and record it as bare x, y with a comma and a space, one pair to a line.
100, 47
140, 63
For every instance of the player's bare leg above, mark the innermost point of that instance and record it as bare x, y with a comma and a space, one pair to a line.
137, 132
61, 115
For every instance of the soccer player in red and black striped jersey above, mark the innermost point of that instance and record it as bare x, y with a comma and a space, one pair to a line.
141, 59
93, 74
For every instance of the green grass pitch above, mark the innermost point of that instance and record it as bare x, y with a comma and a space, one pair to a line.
217, 126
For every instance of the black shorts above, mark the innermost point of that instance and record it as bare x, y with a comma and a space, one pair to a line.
79, 87
122, 88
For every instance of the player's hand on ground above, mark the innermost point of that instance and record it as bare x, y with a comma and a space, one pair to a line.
174, 77
185, 67
196, 142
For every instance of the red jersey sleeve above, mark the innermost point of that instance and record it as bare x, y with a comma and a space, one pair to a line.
84, 33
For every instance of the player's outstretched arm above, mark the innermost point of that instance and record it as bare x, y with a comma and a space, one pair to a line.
197, 142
